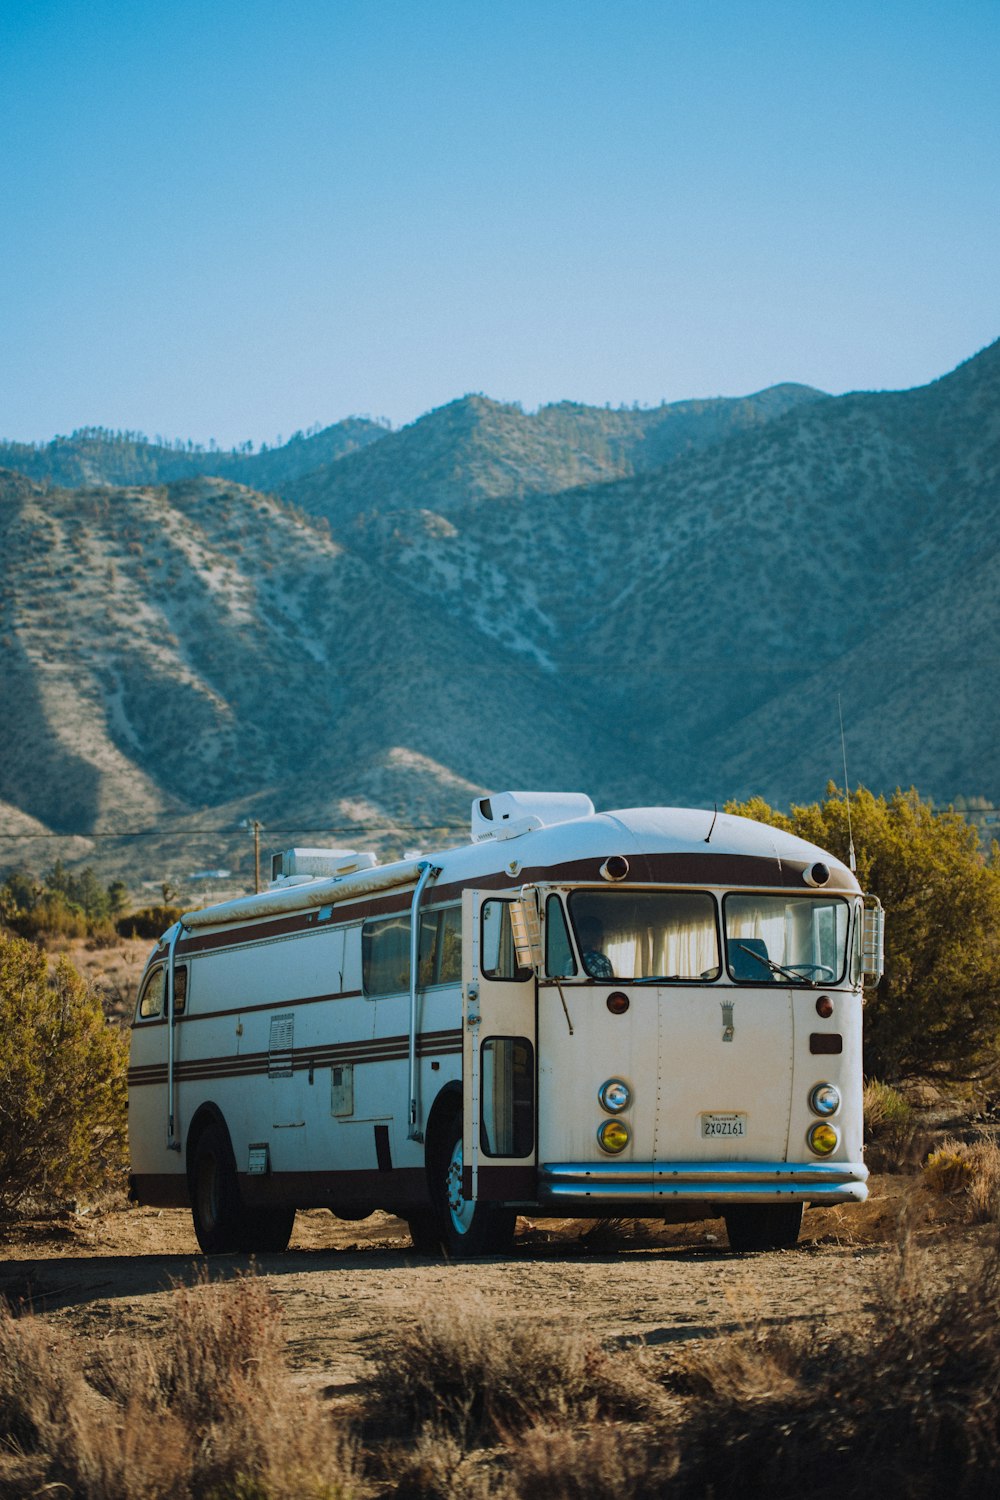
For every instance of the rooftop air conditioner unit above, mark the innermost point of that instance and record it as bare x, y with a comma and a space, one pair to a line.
296, 865
506, 815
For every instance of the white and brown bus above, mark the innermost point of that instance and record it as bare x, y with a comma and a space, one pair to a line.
653, 1012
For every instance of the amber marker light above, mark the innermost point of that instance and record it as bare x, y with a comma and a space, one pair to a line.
821, 1138
613, 1136
617, 1003
824, 1007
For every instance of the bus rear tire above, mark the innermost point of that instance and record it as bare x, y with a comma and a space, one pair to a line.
465, 1229
763, 1226
425, 1230
215, 1198
266, 1231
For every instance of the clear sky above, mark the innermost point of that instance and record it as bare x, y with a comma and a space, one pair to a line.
231, 219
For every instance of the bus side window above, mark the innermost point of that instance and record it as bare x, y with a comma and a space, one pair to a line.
152, 997
385, 956
180, 989
559, 960
153, 1001
499, 956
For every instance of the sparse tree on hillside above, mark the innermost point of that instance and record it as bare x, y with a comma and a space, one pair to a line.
938, 1003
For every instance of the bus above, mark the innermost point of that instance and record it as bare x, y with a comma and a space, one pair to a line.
651, 1013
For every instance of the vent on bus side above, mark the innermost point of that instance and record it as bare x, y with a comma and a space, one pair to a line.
297, 865
506, 815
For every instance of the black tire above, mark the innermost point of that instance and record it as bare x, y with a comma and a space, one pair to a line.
266, 1231
215, 1198
763, 1226
464, 1229
425, 1230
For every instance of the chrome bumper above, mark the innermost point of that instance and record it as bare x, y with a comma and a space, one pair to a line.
714, 1181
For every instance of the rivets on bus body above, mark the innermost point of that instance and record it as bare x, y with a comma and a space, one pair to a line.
617, 1003
824, 1007
615, 867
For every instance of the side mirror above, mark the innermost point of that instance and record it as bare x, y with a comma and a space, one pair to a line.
526, 929
872, 941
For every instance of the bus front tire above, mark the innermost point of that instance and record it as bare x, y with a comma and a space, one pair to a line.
763, 1226
465, 1228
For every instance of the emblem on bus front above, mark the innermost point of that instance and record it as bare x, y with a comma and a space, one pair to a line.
727, 1021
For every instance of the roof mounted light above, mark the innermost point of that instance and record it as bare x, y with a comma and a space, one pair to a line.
615, 867
817, 874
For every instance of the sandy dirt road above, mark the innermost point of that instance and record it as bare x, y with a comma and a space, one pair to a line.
346, 1288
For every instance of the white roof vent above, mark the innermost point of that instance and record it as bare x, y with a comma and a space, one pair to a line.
297, 865
506, 815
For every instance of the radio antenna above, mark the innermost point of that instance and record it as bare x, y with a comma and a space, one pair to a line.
708, 836
851, 859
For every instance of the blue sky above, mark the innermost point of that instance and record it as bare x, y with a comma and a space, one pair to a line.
232, 220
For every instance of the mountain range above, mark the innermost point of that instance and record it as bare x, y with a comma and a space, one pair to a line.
347, 636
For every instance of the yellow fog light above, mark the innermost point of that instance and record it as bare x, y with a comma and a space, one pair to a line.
613, 1136
823, 1139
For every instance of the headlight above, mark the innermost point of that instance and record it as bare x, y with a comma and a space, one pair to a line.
824, 1099
613, 1136
822, 1139
614, 1096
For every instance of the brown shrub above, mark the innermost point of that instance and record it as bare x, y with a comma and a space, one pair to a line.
970, 1171
466, 1371
208, 1413
891, 1134
605, 1462
904, 1406
36, 1386
438, 1467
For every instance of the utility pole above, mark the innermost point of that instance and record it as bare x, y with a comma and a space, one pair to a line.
256, 856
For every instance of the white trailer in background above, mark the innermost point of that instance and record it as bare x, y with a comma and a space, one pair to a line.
653, 1012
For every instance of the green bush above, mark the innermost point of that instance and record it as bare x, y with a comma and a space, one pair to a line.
938, 1003
149, 922
62, 1083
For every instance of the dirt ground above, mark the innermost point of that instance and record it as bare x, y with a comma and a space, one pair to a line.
345, 1287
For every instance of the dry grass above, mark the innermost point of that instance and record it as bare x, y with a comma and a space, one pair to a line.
209, 1413
465, 1370
970, 1172
903, 1406
899, 1400
891, 1129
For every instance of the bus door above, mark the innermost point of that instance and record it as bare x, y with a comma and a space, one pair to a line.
498, 1055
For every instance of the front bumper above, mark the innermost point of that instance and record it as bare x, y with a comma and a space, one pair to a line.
708, 1181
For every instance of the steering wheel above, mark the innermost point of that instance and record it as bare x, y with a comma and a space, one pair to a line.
821, 971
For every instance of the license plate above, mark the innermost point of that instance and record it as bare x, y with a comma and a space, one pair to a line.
717, 1125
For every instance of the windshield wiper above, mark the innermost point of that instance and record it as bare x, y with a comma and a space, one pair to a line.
657, 978
770, 964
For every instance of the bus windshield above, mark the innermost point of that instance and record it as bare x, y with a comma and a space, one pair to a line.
785, 939
644, 936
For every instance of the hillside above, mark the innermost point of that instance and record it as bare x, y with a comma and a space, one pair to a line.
202, 652
93, 456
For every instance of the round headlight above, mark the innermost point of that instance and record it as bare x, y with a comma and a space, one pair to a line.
613, 1136
824, 1099
614, 1096
822, 1139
